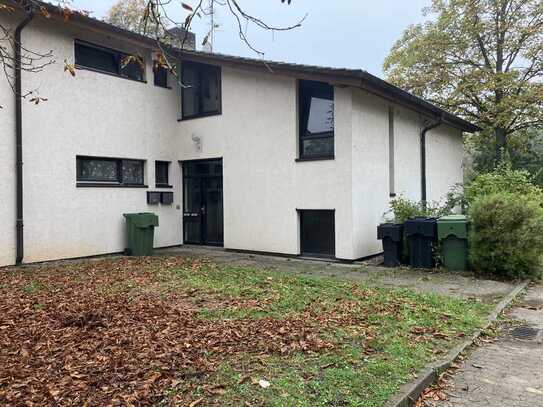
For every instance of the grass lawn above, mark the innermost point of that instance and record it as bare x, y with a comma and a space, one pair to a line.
177, 331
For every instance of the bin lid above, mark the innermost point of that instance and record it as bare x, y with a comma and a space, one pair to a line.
452, 225
142, 220
453, 218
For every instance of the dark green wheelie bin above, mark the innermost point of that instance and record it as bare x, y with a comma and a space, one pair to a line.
140, 233
452, 232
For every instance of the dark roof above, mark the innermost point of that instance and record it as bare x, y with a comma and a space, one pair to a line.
350, 77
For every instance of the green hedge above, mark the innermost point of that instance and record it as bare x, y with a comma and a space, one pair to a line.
506, 236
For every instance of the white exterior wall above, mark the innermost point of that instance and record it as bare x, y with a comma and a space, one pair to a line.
256, 136
7, 170
98, 115
370, 181
444, 161
407, 128
371, 158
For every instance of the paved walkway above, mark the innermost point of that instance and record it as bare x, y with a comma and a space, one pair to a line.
508, 372
451, 284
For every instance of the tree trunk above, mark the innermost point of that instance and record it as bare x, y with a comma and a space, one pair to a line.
501, 144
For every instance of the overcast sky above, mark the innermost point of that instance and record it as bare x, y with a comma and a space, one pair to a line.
357, 34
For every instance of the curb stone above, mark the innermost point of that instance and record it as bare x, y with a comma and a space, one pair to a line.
410, 392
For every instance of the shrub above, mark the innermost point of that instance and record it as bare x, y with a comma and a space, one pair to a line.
503, 179
506, 236
403, 208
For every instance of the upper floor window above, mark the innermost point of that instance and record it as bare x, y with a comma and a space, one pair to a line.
105, 60
201, 92
109, 171
160, 73
316, 120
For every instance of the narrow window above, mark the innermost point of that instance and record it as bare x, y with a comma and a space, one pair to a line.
316, 120
391, 169
105, 60
109, 171
162, 174
160, 75
201, 92
317, 233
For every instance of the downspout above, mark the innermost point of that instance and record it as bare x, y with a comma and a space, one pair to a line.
19, 135
423, 158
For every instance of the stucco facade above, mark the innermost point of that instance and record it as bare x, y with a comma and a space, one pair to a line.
256, 135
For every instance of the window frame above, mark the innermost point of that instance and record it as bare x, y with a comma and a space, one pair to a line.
157, 69
303, 137
201, 66
119, 55
80, 182
161, 184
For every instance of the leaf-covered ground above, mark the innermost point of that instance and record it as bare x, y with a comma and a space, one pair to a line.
179, 331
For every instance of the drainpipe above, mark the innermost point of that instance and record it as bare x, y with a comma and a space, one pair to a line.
19, 134
423, 158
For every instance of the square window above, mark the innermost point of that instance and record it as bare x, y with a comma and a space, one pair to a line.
132, 172
132, 67
162, 169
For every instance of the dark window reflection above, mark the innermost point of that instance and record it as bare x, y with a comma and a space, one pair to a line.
316, 116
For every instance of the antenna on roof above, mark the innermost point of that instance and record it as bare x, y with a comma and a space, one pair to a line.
209, 40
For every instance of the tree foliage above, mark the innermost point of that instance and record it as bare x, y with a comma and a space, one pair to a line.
130, 15
480, 59
504, 179
524, 152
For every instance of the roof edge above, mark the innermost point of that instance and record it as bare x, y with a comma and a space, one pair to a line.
351, 77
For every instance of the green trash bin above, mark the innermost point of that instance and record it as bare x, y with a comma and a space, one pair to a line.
140, 233
452, 232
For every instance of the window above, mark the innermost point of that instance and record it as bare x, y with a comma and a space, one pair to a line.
161, 174
109, 171
201, 95
317, 233
106, 60
160, 75
316, 120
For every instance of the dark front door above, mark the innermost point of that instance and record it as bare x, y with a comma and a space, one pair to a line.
203, 202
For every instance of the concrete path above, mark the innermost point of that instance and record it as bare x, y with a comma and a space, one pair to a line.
451, 284
508, 372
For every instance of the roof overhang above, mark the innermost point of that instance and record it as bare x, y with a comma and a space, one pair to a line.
336, 76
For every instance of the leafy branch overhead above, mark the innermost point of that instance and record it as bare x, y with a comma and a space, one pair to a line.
480, 59
152, 18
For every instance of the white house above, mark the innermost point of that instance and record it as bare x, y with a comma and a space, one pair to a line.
252, 155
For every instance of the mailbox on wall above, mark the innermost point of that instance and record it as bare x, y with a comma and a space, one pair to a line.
153, 198
166, 198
